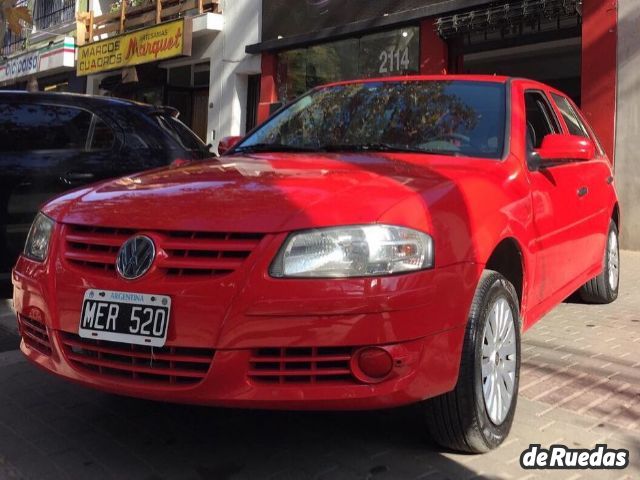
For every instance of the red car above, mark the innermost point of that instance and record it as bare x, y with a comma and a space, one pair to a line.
373, 244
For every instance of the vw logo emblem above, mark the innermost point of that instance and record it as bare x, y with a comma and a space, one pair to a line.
135, 257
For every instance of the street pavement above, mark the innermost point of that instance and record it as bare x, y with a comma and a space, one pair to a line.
580, 386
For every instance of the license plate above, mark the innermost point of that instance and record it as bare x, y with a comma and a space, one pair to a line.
126, 317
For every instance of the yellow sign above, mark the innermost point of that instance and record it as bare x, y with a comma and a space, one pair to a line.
163, 41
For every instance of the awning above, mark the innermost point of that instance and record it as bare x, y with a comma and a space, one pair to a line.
433, 8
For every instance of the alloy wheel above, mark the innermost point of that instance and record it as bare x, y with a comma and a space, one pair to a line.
613, 260
499, 360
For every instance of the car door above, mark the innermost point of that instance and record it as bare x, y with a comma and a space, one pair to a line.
96, 160
46, 151
594, 178
554, 198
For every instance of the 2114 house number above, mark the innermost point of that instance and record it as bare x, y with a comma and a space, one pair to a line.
394, 60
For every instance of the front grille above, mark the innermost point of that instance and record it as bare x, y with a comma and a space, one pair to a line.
301, 365
166, 365
184, 253
35, 334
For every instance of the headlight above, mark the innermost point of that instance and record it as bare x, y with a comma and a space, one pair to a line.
37, 245
357, 251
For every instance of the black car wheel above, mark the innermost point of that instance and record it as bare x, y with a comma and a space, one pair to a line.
604, 287
477, 415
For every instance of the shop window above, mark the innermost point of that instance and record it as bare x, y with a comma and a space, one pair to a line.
44, 127
394, 52
201, 75
180, 76
389, 53
197, 75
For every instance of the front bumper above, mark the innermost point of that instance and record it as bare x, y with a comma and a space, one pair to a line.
420, 317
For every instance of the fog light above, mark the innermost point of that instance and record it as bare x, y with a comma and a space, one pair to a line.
374, 363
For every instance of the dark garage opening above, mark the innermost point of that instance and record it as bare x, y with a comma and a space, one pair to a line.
540, 40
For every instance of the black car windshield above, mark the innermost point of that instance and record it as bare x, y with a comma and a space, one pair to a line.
443, 117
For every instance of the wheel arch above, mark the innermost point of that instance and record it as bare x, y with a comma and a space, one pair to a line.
615, 215
508, 259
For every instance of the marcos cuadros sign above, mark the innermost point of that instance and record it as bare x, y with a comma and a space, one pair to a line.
20, 66
160, 42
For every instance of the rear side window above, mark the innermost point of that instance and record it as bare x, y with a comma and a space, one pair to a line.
102, 136
180, 132
574, 121
571, 117
33, 127
541, 120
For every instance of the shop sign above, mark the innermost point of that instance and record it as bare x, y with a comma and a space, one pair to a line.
163, 41
54, 57
20, 66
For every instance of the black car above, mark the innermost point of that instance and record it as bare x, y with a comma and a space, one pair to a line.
52, 142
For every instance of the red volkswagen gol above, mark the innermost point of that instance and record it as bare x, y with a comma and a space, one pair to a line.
373, 244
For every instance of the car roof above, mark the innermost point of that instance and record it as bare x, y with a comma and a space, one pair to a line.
71, 99
422, 78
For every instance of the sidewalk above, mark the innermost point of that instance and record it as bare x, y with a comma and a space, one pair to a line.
580, 385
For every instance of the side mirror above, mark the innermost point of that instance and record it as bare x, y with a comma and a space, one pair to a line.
227, 143
557, 147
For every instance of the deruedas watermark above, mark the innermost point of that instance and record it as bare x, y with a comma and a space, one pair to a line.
562, 457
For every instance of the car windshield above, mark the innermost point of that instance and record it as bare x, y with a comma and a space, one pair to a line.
442, 117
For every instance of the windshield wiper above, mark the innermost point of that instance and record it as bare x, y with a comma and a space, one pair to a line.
440, 151
272, 147
347, 147
367, 147
383, 147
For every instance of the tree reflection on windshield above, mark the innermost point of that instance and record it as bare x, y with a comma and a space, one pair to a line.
455, 117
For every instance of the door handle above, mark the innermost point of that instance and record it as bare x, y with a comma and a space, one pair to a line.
582, 191
78, 177
609, 180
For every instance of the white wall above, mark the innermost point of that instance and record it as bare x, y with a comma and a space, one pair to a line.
230, 67
628, 121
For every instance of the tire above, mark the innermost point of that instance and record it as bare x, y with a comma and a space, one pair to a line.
461, 419
604, 287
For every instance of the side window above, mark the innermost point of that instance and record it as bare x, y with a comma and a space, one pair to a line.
102, 137
33, 127
180, 132
541, 120
575, 124
571, 118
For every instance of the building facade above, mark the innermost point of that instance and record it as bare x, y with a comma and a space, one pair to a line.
117, 48
586, 48
210, 81
628, 119
42, 57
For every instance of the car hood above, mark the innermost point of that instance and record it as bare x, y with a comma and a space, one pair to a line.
261, 193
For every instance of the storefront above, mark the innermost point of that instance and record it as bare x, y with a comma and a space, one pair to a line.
158, 65
49, 68
317, 41
574, 45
